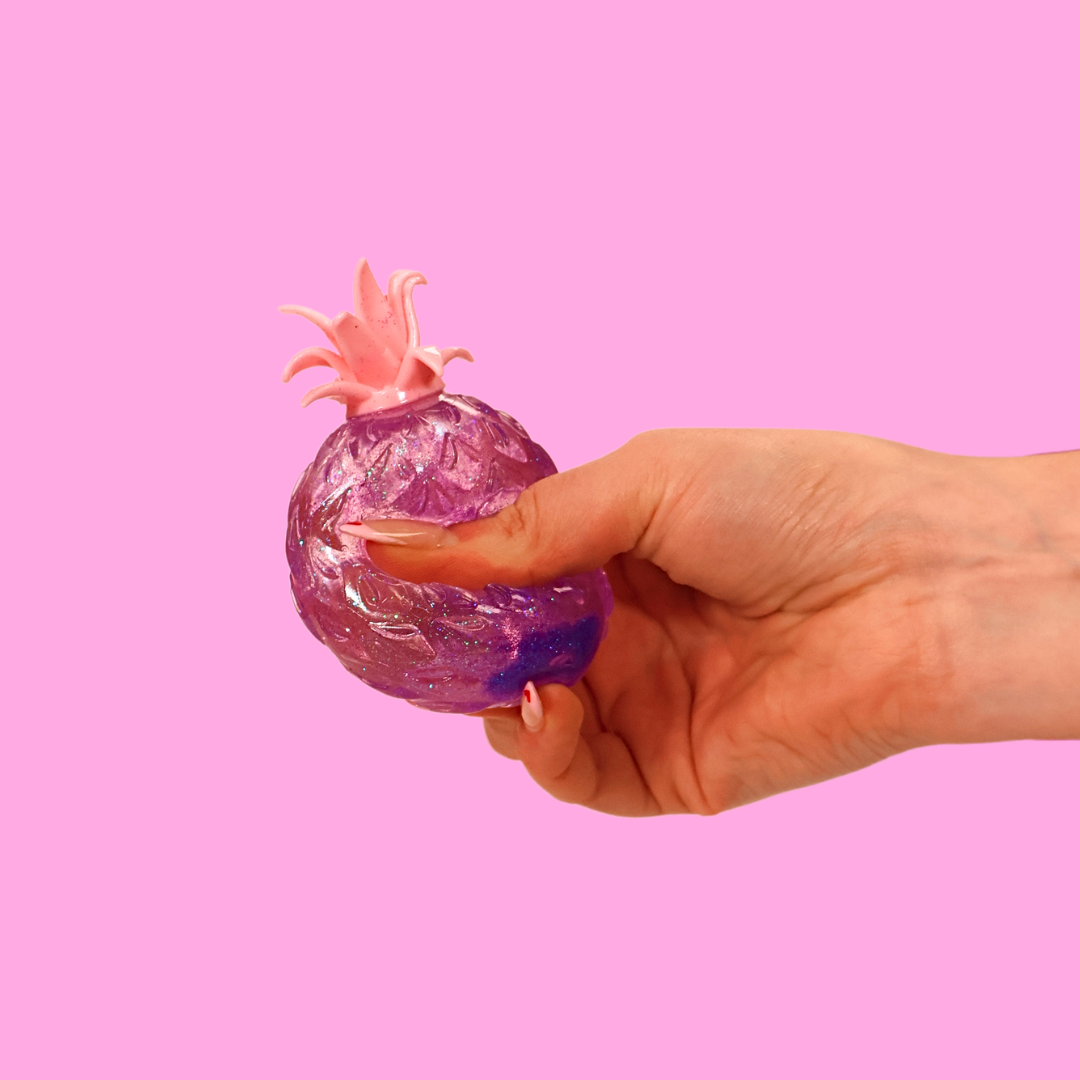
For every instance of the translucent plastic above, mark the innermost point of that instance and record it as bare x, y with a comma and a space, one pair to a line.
445, 459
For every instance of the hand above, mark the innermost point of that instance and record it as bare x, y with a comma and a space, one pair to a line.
789, 606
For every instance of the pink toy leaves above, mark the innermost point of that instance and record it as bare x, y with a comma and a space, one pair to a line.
378, 360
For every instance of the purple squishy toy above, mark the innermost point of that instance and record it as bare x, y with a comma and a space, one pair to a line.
407, 450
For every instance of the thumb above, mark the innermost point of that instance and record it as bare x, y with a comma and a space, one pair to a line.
565, 524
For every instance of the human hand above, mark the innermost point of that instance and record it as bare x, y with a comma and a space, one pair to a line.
789, 606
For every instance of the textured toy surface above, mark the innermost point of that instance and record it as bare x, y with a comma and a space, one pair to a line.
444, 459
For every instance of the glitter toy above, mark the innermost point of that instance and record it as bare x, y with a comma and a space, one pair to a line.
407, 450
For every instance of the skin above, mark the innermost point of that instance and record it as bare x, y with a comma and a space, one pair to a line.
790, 606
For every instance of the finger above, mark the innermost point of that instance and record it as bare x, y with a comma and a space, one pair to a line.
503, 725
502, 733
594, 770
564, 524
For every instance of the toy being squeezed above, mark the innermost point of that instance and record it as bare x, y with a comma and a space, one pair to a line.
407, 450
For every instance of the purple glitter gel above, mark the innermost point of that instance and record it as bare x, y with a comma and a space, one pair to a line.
410, 451
442, 459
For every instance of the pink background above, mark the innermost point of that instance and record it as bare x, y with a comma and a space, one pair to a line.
224, 857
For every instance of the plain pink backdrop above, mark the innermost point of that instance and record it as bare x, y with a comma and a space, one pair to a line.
224, 857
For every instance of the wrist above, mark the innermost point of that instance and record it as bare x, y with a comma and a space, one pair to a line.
1008, 602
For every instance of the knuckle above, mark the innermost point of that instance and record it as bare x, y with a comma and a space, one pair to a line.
502, 737
521, 519
643, 439
523, 533
647, 445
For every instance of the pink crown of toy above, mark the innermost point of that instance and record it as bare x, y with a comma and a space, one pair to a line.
379, 360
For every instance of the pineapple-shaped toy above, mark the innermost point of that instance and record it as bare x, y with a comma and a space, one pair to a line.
407, 450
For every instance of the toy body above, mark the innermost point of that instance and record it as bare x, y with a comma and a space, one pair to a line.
444, 459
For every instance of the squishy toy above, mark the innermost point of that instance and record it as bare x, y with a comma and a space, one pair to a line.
410, 451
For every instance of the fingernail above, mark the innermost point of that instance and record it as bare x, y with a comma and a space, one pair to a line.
532, 711
414, 534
